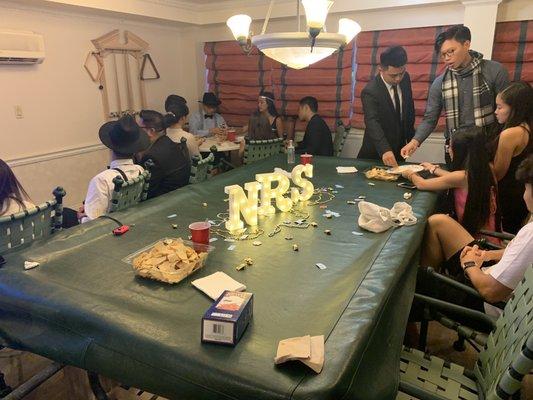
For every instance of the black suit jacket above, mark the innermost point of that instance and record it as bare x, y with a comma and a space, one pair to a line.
383, 132
317, 139
169, 165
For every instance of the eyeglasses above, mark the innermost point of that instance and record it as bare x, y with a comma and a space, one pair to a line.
448, 54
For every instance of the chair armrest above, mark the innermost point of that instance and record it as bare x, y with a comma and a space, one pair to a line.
418, 392
431, 273
444, 306
498, 235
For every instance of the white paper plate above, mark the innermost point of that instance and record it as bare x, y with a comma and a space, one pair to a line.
403, 168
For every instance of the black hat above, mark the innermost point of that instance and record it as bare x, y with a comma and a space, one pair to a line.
210, 99
124, 136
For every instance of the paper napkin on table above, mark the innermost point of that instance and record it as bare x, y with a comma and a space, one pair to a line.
307, 349
346, 170
214, 285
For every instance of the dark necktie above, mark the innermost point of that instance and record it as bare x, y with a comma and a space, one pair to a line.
208, 116
397, 103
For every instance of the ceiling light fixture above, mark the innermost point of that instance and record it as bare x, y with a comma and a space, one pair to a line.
296, 49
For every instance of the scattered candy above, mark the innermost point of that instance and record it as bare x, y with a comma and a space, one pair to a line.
320, 266
362, 197
323, 206
257, 243
335, 192
232, 247
328, 216
314, 224
213, 240
204, 204
327, 232
371, 184
357, 233
172, 216
174, 226
339, 186
211, 222
295, 247
249, 260
288, 237
229, 240
407, 195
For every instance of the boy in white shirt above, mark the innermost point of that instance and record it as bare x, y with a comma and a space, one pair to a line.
124, 138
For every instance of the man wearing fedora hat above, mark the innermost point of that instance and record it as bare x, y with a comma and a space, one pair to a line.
124, 138
207, 121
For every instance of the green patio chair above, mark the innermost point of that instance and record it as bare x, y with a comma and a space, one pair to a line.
17, 230
201, 167
255, 150
131, 192
500, 368
340, 138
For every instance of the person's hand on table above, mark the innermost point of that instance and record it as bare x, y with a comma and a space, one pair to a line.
200, 140
409, 149
81, 212
389, 160
408, 174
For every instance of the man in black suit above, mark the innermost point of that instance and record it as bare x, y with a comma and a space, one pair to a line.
168, 162
317, 139
389, 109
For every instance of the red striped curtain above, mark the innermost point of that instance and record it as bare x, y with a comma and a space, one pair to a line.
513, 47
237, 79
423, 64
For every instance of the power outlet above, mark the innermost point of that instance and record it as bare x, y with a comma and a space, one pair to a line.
18, 112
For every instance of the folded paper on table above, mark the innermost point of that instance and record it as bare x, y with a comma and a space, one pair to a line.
307, 349
346, 170
214, 285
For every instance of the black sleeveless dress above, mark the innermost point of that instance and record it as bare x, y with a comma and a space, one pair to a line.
513, 208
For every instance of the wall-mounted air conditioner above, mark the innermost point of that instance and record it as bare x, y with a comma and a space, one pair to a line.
21, 47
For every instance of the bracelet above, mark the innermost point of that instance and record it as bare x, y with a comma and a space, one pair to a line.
466, 265
434, 169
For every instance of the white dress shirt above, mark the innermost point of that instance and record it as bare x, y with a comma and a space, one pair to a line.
200, 126
175, 134
98, 199
391, 94
517, 257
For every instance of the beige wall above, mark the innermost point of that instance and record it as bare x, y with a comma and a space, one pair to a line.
62, 107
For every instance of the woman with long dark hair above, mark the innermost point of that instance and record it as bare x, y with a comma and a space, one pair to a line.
13, 197
471, 178
514, 112
267, 109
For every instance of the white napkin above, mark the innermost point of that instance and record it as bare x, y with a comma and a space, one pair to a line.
346, 170
214, 285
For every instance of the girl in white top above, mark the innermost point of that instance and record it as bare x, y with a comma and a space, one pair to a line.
175, 118
13, 197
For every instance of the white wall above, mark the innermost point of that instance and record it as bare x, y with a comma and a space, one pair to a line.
62, 107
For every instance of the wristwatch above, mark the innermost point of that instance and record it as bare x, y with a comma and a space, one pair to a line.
468, 264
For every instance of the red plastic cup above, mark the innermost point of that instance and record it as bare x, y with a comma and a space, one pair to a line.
306, 159
200, 232
232, 135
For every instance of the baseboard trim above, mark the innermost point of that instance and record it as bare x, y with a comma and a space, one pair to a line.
54, 155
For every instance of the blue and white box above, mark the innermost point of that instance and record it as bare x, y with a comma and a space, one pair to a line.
228, 317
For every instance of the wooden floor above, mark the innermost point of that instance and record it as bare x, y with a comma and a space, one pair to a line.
71, 383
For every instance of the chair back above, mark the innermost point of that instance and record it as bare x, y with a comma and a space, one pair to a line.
508, 355
255, 150
201, 167
340, 137
20, 229
131, 192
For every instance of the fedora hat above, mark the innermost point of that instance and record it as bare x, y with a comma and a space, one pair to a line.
124, 136
210, 99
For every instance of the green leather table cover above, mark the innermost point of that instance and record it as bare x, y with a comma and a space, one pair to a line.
83, 306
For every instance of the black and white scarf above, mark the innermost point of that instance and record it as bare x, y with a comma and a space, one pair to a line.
483, 96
